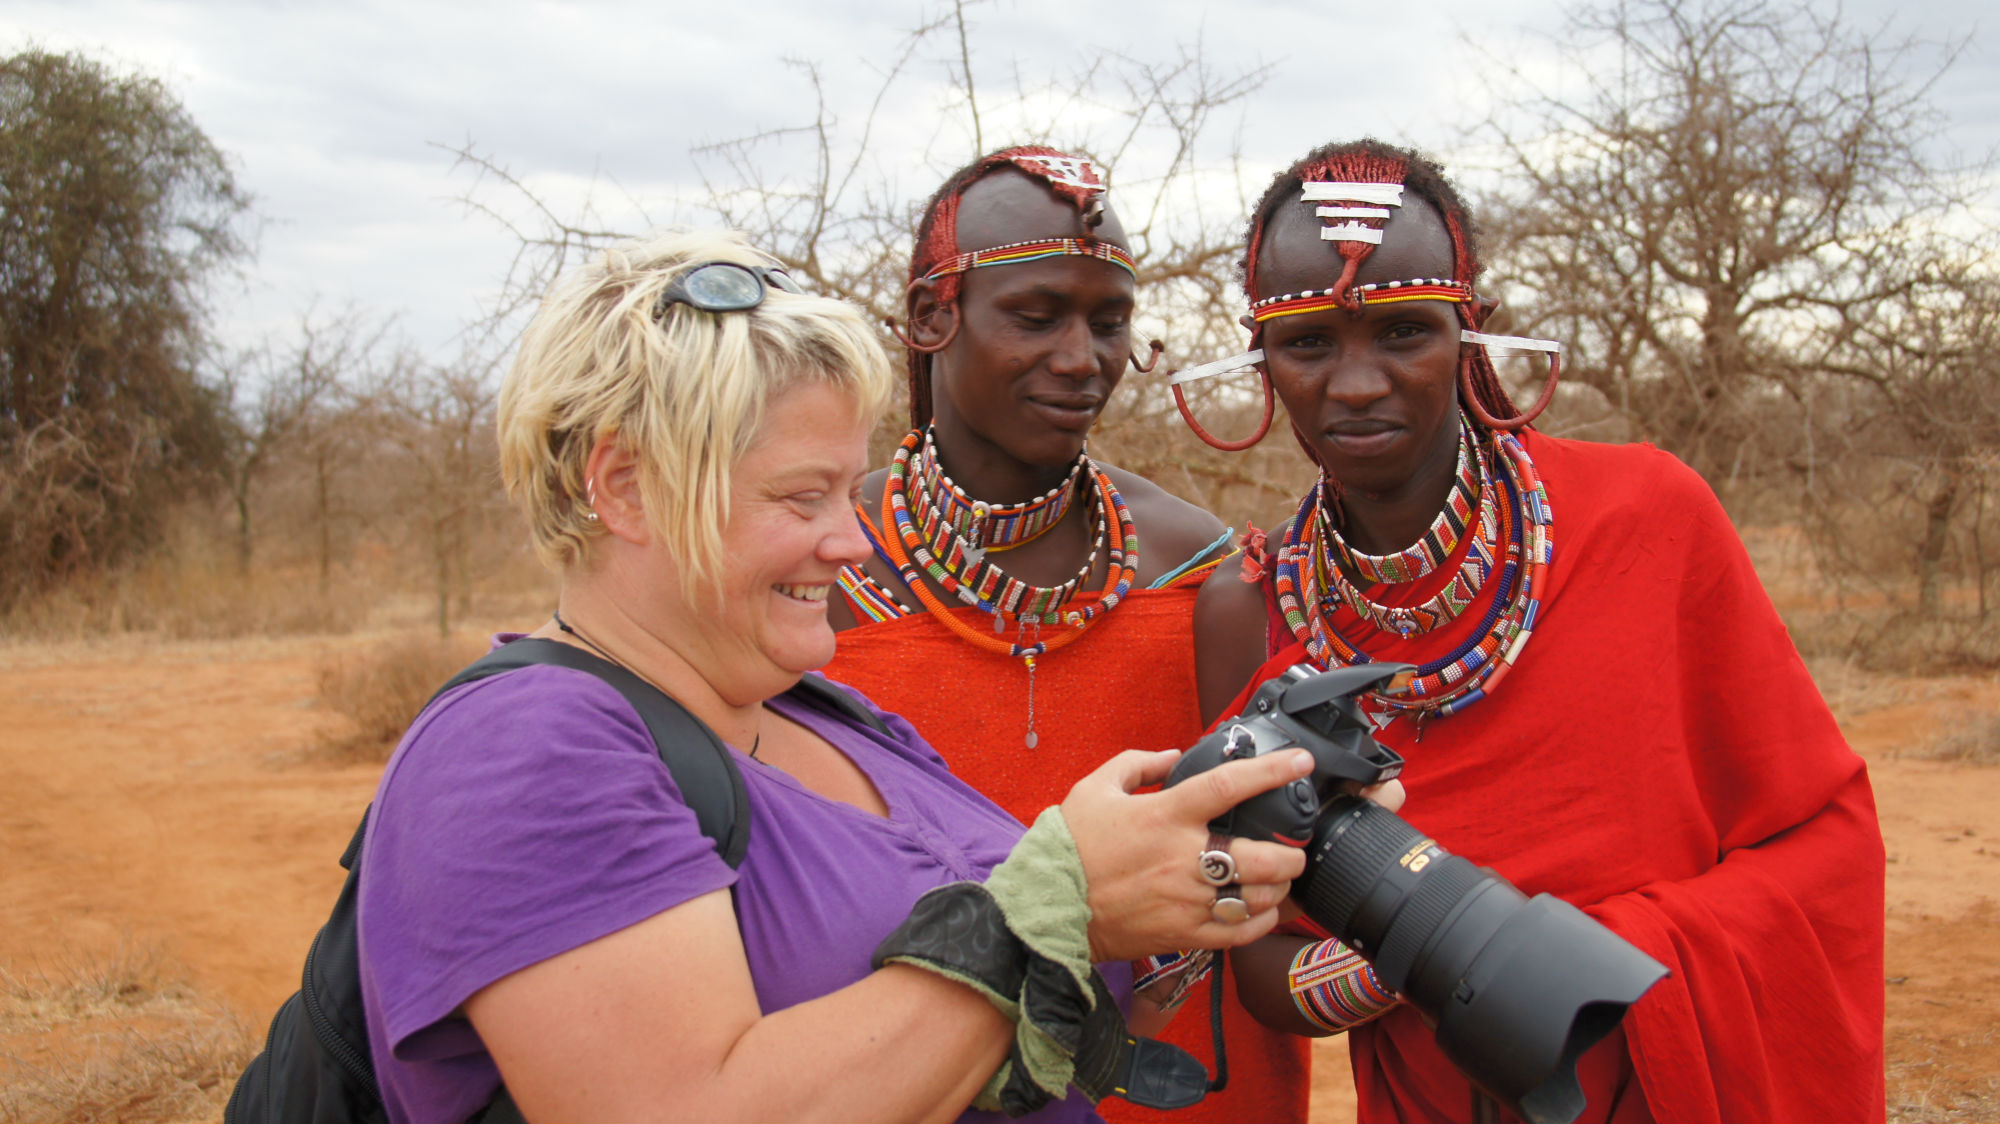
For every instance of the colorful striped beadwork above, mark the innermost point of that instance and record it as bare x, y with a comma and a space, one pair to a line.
1378, 292
982, 585
1440, 609
985, 526
1335, 989
868, 597
1422, 558
960, 566
1015, 253
1166, 979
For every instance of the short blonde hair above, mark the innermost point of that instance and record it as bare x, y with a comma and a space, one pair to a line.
685, 393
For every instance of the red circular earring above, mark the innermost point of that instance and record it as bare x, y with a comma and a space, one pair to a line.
1263, 426
1478, 411
913, 345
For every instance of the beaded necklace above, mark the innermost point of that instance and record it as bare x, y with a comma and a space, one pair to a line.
947, 558
914, 557
1443, 607
1475, 669
1440, 542
981, 525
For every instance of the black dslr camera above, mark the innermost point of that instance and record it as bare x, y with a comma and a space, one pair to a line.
1516, 987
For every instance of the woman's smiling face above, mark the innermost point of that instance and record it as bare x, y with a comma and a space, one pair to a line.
1374, 392
791, 528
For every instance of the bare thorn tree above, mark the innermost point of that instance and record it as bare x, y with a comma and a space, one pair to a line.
274, 396
819, 196
1735, 189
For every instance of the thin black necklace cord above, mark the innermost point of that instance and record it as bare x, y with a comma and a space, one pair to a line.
587, 642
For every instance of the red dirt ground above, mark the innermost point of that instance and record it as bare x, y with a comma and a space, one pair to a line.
163, 794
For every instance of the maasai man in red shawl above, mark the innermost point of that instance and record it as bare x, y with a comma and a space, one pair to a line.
1029, 607
1607, 708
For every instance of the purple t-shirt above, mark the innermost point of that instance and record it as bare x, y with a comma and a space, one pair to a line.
528, 814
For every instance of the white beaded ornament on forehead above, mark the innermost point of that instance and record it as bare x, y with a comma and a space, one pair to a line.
1365, 201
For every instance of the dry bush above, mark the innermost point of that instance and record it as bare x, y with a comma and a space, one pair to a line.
381, 689
180, 602
1966, 736
121, 1037
191, 589
1851, 690
1887, 638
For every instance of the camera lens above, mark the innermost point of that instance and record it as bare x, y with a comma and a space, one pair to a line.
1518, 987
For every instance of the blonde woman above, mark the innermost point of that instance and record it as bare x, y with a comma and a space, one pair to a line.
539, 908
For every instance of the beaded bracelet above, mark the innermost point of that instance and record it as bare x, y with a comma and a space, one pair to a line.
1166, 979
1335, 989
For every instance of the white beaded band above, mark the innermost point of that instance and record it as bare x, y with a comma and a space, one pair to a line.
1509, 344
1219, 367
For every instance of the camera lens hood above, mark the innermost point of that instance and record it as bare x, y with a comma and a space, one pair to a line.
1546, 986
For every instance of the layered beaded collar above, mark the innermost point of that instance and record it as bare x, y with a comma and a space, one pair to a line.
1474, 669
981, 525
941, 555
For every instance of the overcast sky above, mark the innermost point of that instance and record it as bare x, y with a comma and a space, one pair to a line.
334, 111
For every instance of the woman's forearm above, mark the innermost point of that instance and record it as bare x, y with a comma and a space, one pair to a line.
661, 1020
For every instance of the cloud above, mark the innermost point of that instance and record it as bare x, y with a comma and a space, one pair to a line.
335, 111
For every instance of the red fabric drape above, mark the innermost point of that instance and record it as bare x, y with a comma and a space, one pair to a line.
1128, 684
1661, 759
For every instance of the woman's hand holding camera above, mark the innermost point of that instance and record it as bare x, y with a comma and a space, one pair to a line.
1145, 854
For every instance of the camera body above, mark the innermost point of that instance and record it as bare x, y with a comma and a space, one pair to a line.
1302, 708
1515, 987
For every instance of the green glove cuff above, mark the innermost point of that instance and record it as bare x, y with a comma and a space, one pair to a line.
1021, 941
1042, 890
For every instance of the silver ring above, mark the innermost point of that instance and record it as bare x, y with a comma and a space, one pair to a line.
1228, 908
1216, 865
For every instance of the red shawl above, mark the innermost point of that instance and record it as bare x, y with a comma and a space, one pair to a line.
1128, 684
1661, 759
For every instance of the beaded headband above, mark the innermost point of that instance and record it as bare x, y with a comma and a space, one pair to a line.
1015, 253
1380, 292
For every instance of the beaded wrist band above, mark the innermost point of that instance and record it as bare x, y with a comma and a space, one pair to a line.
1335, 989
1167, 979
1016, 252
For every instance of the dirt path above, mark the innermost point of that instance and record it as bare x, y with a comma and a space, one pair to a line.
155, 794
159, 795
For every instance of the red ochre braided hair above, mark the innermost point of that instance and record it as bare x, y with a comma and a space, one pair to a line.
1371, 161
937, 242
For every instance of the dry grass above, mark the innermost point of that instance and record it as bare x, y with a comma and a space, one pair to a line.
181, 600
121, 1037
1966, 736
381, 689
1852, 690
1937, 1090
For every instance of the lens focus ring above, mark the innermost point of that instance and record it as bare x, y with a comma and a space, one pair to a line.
1356, 840
1444, 883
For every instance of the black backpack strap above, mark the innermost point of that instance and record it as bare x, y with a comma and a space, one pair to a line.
701, 766
819, 691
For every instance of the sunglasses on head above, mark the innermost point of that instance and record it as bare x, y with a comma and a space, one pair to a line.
724, 286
